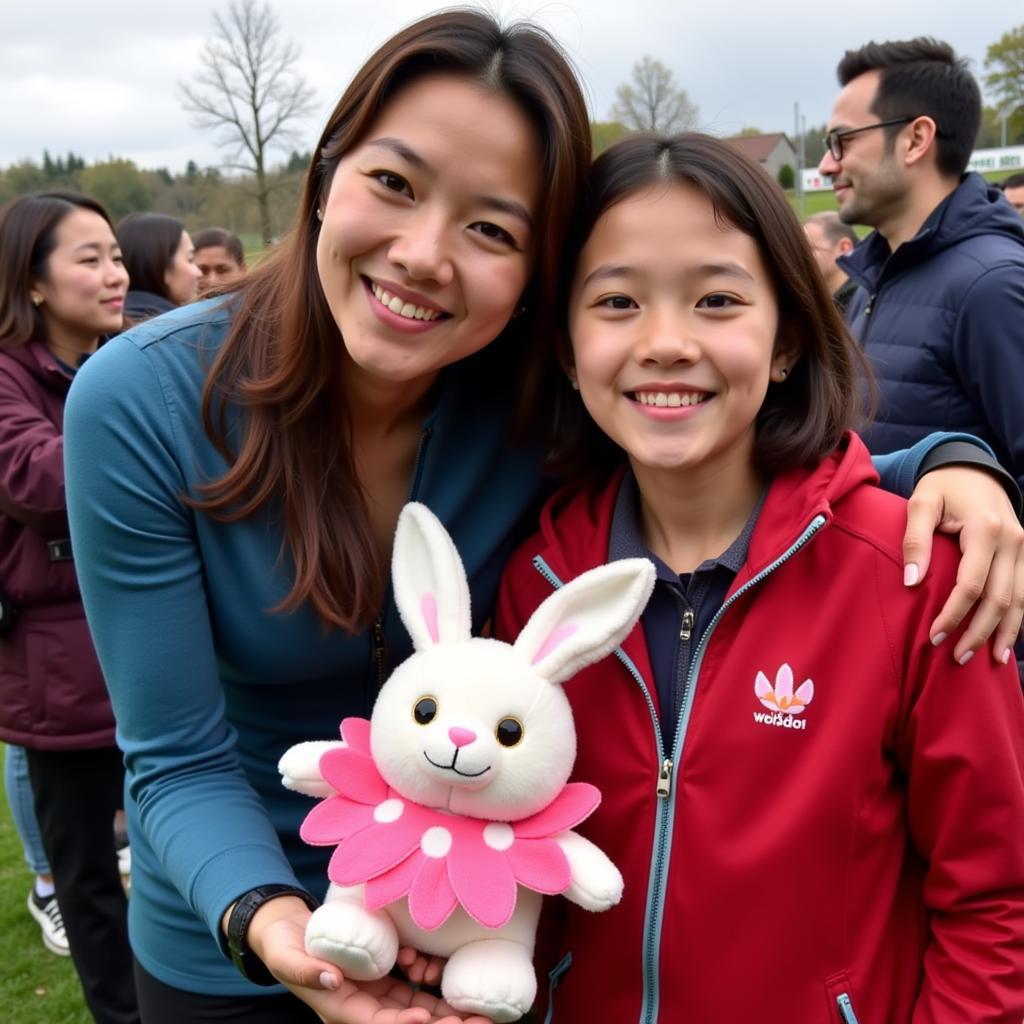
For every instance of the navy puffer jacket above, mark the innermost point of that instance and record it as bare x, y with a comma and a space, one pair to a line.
942, 321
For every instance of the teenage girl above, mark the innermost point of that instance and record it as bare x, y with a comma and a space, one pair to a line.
817, 812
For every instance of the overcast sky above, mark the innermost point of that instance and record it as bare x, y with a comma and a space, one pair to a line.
100, 78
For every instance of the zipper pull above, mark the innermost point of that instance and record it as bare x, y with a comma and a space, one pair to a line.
871, 302
687, 628
665, 778
846, 1009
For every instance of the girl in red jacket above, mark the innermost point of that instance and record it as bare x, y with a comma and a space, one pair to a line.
819, 815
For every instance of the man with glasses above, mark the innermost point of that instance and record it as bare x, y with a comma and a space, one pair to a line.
940, 310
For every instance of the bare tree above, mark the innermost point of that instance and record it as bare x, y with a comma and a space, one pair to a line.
249, 90
653, 102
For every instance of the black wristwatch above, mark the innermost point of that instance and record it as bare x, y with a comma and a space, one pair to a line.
248, 963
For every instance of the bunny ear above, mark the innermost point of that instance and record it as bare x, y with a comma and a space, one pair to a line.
587, 619
429, 581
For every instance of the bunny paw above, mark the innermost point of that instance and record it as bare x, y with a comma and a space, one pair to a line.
363, 943
493, 977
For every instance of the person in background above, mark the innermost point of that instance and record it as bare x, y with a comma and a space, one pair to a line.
1013, 188
42, 897
830, 238
62, 291
159, 256
220, 258
940, 312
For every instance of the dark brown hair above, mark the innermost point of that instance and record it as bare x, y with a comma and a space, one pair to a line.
148, 243
28, 236
230, 243
803, 418
281, 362
922, 76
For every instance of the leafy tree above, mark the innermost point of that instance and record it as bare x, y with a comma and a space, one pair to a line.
118, 184
750, 130
787, 176
25, 176
249, 89
604, 133
990, 134
1006, 79
652, 101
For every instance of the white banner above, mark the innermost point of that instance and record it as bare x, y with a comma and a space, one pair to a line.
982, 160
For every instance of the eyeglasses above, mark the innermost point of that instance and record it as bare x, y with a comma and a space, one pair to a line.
833, 142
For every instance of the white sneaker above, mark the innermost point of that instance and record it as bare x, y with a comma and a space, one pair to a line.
47, 912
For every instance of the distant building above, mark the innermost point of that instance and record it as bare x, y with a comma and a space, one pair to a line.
770, 151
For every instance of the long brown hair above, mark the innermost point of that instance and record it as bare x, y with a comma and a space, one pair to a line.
802, 419
28, 236
281, 362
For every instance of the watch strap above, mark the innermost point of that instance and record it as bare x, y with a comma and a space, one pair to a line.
248, 963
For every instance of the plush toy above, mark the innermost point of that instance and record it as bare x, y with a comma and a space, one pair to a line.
451, 809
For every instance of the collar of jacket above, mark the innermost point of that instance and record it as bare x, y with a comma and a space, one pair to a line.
972, 208
576, 525
37, 359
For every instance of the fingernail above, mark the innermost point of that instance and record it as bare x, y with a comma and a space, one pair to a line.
966, 657
1005, 659
328, 980
939, 638
910, 574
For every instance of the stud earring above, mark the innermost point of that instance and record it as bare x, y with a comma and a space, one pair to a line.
519, 311
37, 300
573, 382
783, 373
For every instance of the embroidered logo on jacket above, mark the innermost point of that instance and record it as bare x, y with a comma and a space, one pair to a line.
782, 703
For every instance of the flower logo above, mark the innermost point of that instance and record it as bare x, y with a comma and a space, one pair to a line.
781, 697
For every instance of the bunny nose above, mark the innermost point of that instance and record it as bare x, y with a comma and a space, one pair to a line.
461, 737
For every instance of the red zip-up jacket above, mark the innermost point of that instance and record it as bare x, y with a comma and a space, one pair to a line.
849, 849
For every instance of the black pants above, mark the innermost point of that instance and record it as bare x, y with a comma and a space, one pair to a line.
162, 1004
76, 793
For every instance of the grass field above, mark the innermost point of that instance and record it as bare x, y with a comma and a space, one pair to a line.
36, 987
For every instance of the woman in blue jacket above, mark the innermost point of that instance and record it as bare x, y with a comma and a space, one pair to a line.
236, 469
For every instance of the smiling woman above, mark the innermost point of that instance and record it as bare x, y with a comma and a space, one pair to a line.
62, 289
247, 460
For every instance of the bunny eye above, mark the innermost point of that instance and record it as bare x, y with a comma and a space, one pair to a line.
509, 732
425, 710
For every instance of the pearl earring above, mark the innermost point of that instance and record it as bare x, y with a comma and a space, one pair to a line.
783, 373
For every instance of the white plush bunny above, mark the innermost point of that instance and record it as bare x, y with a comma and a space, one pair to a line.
450, 809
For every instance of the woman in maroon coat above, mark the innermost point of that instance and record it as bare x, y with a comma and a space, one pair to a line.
62, 288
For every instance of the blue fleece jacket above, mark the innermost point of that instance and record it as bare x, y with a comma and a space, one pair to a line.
942, 321
210, 689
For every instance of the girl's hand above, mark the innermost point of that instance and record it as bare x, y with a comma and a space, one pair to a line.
972, 503
419, 968
277, 936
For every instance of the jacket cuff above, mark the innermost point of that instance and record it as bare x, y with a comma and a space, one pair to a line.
967, 453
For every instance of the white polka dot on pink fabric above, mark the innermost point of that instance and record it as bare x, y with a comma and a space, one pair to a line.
436, 842
499, 835
389, 811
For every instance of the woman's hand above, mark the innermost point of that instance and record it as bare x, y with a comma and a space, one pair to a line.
277, 936
972, 503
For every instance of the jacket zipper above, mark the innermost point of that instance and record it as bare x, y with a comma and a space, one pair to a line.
666, 822
378, 640
846, 1009
379, 650
664, 784
686, 630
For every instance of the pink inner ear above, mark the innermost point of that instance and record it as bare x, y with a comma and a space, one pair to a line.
428, 606
558, 636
